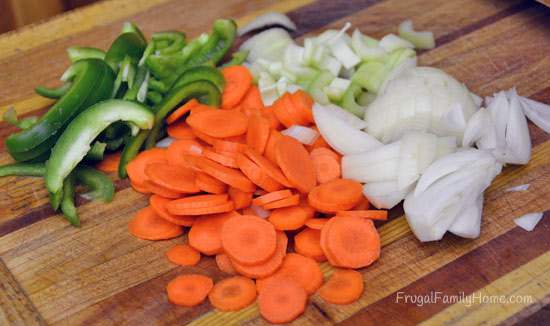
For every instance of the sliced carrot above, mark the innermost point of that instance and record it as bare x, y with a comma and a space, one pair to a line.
249, 111
172, 177
271, 197
238, 81
208, 184
221, 146
232, 177
303, 104
293, 200
224, 264
158, 204
353, 241
256, 174
232, 294
197, 201
344, 286
189, 290
316, 223
204, 137
269, 152
249, 240
221, 208
248, 211
282, 300
336, 195
296, 164
252, 100
136, 167
141, 188
219, 123
237, 139
268, 267
286, 113
109, 163
308, 243
181, 111
202, 107
220, 158
302, 269
147, 225
320, 142
184, 255
179, 151
291, 218
205, 234
325, 231
155, 188
180, 130
362, 205
327, 164
240, 198
268, 167
369, 213
258, 133
269, 114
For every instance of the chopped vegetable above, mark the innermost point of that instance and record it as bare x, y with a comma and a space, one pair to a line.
336, 195
308, 243
343, 287
421, 40
189, 290
282, 300
268, 19
232, 294
184, 255
290, 218
528, 221
147, 225
205, 234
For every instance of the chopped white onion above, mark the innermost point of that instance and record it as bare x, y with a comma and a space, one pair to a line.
165, 142
304, 135
269, 45
260, 212
479, 125
537, 112
454, 118
528, 221
384, 194
268, 19
467, 224
522, 187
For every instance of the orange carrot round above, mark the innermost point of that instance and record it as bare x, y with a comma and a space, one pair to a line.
257, 174
180, 130
224, 264
205, 234
282, 300
232, 294
147, 225
184, 255
316, 223
258, 133
232, 177
286, 112
296, 164
335, 195
208, 184
290, 218
240, 198
140, 188
285, 202
172, 177
369, 213
155, 188
179, 151
327, 164
158, 204
204, 137
269, 114
302, 269
308, 243
269, 152
136, 167
109, 163
252, 100
224, 160
189, 290
268, 167
268, 267
344, 286
271, 197
303, 104
181, 111
237, 83
221, 145
219, 123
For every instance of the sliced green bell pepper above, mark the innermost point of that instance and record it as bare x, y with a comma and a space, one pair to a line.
96, 152
23, 169
10, 116
175, 41
67, 201
192, 74
53, 93
98, 184
127, 44
237, 58
76, 53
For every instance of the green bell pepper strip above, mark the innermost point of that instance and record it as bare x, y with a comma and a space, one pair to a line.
115, 144
23, 169
67, 201
157, 85
93, 82
98, 184
126, 44
53, 93
237, 58
10, 116
150, 49
75, 141
76, 53
349, 100
96, 152
129, 27
139, 79
192, 74
154, 97
194, 46
56, 198
38, 154
175, 41
126, 74
221, 39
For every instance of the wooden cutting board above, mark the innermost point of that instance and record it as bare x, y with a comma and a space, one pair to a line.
52, 273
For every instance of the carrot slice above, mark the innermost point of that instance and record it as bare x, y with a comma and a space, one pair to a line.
179, 151
296, 164
221, 208
205, 234
362, 205
268, 267
181, 111
208, 184
256, 174
269, 168
320, 142
109, 163
258, 133
172, 177
180, 130
249, 240
158, 204
316, 223
184, 255
332, 259
221, 146
286, 113
240, 198
232, 294
308, 243
232, 177
237, 83
224, 264
285, 202
326, 163
336, 195
197, 201
269, 152
136, 167
252, 100
147, 225
291, 218
353, 241
282, 300
369, 213
155, 188
141, 188
204, 137
301, 269
271, 197
269, 114
189, 290
220, 158
219, 123
303, 103
344, 286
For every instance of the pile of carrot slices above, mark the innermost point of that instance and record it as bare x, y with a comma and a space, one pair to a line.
240, 185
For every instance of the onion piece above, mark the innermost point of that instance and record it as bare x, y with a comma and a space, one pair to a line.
393, 42
384, 194
477, 127
377, 165
165, 142
421, 40
347, 116
304, 135
454, 118
260, 212
268, 19
269, 45
528, 221
537, 112
467, 224
523, 187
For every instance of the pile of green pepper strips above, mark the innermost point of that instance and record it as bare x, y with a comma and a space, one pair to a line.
112, 100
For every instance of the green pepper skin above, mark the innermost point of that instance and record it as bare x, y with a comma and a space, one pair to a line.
53, 93
67, 202
192, 74
175, 40
126, 44
76, 53
93, 82
139, 79
99, 184
56, 198
23, 169
237, 58
96, 152
223, 36
130, 27
154, 97
75, 141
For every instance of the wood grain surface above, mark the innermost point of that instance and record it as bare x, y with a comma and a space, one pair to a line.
52, 273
